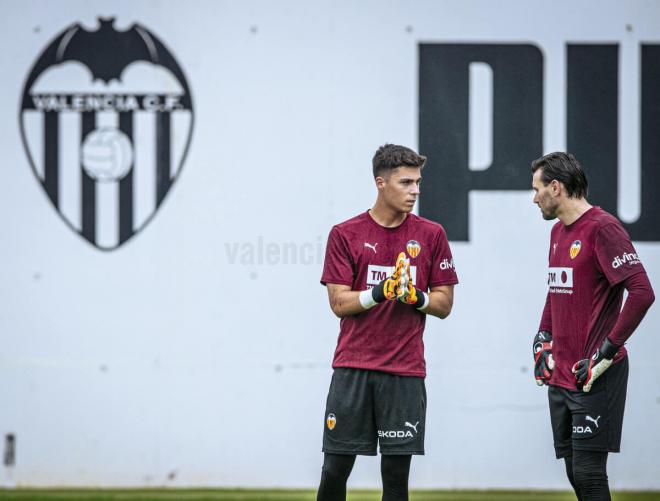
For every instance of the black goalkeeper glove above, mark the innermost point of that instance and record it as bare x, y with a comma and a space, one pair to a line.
588, 370
544, 364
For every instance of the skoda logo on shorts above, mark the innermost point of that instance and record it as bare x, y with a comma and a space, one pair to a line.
331, 421
106, 118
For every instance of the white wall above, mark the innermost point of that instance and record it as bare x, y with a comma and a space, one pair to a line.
167, 362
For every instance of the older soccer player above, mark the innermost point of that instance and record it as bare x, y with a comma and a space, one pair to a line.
579, 350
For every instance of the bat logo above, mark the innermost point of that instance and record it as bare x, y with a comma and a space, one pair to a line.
106, 119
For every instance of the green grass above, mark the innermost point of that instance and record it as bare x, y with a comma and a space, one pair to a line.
289, 495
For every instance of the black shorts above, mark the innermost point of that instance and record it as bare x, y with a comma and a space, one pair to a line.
367, 407
590, 421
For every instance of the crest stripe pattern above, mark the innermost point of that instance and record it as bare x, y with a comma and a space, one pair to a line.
163, 179
88, 205
51, 155
126, 184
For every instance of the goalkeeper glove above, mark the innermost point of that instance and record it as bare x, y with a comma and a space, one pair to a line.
387, 289
407, 293
588, 370
544, 364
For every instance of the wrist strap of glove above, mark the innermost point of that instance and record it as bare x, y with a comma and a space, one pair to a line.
423, 300
608, 349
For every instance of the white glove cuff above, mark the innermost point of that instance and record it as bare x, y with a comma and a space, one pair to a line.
367, 299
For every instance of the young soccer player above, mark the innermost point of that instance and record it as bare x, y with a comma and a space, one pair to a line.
385, 270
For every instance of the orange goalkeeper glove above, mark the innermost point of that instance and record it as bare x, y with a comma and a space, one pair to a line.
407, 293
386, 289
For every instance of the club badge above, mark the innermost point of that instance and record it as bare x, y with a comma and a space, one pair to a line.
331, 421
575, 249
413, 248
106, 119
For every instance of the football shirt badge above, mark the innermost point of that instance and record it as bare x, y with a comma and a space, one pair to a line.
575, 249
413, 248
331, 421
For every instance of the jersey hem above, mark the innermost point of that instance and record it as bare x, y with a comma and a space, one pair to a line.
626, 277
386, 371
449, 282
574, 387
337, 282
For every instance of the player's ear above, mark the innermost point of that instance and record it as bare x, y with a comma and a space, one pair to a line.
555, 187
380, 182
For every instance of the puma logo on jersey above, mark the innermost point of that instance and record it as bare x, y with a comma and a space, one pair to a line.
372, 247
414, 426
594, 421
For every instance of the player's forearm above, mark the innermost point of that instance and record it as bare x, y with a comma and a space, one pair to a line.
440, 304
346, 303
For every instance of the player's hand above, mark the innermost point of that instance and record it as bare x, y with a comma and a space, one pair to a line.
384, 290
588, 370
388, 288
406, 292
544, 364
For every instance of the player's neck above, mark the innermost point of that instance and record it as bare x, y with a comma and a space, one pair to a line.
386, 216
572, 210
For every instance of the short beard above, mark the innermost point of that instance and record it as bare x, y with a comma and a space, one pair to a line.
551, 213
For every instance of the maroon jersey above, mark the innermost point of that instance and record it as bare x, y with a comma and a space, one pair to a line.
589, 260
361, 253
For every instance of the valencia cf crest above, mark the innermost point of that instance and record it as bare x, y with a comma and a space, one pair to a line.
575, 249
413, 248
331, 421
106, 118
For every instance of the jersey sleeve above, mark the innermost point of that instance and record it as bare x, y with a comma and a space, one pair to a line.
617, 258
338, 264
443, 271
640, 298
546, 316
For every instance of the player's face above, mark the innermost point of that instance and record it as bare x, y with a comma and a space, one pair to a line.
545, 196
401, 188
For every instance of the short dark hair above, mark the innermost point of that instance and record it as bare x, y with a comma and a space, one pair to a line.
564, 168
391, 156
